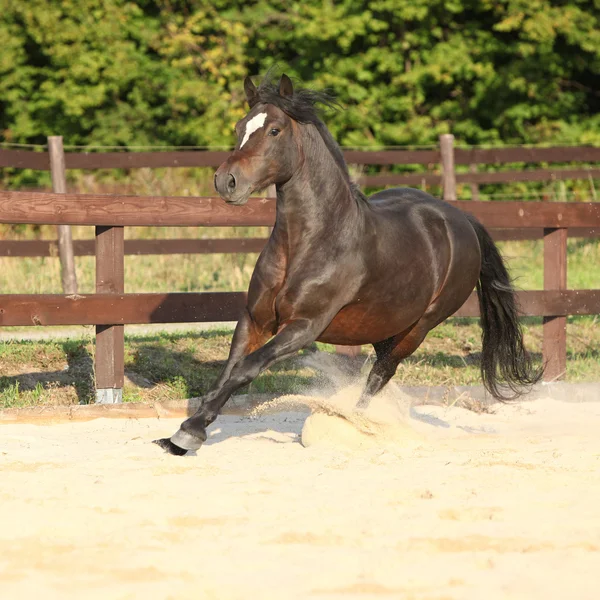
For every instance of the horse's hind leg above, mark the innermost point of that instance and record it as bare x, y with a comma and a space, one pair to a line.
389, 354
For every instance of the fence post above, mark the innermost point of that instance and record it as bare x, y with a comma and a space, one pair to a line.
65, 238
110, 344
555, 327
448, 174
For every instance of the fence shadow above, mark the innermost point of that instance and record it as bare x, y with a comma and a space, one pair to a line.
78, 374
187, 376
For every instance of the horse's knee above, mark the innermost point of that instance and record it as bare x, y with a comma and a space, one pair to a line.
243, 373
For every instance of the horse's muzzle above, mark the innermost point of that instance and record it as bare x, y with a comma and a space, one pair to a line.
229, 185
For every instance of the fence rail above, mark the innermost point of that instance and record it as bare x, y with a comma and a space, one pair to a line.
32, 248
26, 159
179, 211
199, 307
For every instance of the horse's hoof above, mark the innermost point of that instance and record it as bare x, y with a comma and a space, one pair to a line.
186, 440
168, 446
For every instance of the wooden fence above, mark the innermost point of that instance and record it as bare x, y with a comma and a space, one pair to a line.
110, 308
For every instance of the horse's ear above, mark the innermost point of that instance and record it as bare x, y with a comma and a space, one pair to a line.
251, 92
286, 87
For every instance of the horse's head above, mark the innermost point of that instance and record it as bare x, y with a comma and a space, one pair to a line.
265, 153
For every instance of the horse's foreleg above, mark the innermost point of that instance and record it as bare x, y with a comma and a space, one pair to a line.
294, 336
247, 338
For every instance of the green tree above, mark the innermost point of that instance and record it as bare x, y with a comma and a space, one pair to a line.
115, 72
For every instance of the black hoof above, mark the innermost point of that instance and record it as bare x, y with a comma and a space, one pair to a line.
189, 441
168, 446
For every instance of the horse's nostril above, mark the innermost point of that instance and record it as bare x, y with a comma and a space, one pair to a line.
231, 182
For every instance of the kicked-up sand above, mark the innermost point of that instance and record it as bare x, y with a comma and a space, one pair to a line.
421, 503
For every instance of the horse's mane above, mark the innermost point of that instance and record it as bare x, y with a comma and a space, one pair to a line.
302, 107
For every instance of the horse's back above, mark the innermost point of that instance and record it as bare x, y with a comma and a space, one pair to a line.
400, 200
414, 213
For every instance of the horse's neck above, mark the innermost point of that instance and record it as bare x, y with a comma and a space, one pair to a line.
318, 195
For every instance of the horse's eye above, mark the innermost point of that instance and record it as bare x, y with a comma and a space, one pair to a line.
274, 132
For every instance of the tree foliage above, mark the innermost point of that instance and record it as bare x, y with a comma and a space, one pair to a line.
115, 72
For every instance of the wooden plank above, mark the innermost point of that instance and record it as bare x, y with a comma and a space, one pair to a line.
90, 209
205, 246
24, 159
137, 160
502, 235
65, 237
136, 247
448, 172
399, 179
110, 280
554, 346
32, 248
129, 160
105, 309
392, 157
530, 175
545, 302
104, 209
126, 309
466, 156
533, 214
18, 248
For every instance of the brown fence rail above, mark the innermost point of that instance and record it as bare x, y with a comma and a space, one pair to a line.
202, 307
32, 248
139, 211
109, 309
26, 159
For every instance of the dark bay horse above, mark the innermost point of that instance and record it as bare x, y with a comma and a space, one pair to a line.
346, 269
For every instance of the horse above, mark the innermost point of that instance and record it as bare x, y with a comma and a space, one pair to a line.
345, 269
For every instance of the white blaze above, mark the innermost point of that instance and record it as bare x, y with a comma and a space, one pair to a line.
256, 122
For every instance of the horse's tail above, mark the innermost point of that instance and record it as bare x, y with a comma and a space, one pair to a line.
504, 361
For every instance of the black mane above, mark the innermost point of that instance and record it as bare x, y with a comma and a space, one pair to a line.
302, 107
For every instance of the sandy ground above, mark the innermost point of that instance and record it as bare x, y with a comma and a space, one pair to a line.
442, 503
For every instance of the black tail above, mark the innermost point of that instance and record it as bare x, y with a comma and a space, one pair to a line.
504, 361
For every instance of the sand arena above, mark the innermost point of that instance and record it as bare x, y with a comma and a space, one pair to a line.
421, 502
